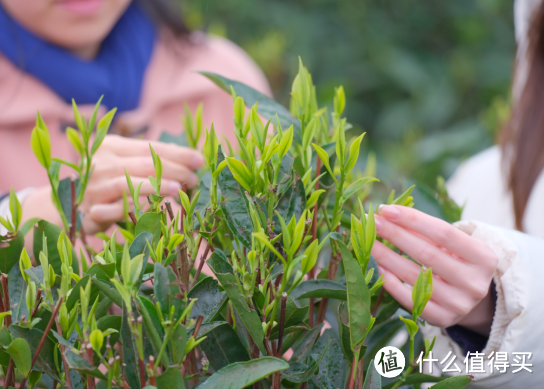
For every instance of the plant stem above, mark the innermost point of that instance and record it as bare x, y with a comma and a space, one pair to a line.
7, 306
378, 301
403, 379
282, 323
169, 209
311, 274
90, 358
38, 302
141, 367
152, 368
47, 329
73, 211
359, 379
63, 356
197, 325
351, 381
10, 375
132, 217
331, 274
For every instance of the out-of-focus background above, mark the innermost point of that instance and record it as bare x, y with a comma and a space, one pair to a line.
427, 80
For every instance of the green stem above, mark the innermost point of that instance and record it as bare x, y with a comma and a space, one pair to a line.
411, 352
403, 379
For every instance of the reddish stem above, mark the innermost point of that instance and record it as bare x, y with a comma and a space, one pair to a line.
44, 336
63, 356
141, 367
200, 266
132, 217
152, 368
197, 325
39, 301
169, 209
282, 323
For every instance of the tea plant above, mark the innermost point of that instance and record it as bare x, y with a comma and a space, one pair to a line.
283, 224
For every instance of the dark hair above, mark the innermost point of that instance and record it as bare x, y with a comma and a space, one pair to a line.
522, 139
166, 13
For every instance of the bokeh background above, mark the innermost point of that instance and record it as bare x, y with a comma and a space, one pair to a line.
427, 80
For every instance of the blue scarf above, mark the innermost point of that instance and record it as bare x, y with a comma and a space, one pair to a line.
117, 71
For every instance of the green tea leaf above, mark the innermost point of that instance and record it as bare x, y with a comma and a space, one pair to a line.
303, 347
129, 353
210, 299
416, 379
170, 379
299, 372
52, 232
242, 374
324, 159
333, 369
358, 298
41, 146
223, 271
161, 287
422, 292
411, 326
356, 187
320, 288
81, 365
223, 346
109, 291
102, 130
354, 152
373, 379
9, 256
15, 208
19, 351
46, 360
267, 107
149, 222
458, 382
241, 173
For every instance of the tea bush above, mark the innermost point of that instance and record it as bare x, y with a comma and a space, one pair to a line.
282, 225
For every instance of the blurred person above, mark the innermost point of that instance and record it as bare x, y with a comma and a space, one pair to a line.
487, 270
143, 59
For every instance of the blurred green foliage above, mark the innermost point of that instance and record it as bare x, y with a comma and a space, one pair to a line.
427, 80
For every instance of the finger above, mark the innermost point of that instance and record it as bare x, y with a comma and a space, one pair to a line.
439, 231
444, 265
408, 272
112, 189
127, 147
433, 313
143, 167
106, 214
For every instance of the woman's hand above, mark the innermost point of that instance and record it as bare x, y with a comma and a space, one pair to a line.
102, 205
462, 266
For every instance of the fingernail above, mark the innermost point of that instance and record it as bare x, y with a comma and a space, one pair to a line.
389, 211
378, 223
198, 161
174, 187
381, 270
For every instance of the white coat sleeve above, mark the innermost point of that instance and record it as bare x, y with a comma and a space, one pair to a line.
518, 322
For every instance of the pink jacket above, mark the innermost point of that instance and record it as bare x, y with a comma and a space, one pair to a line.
170, 81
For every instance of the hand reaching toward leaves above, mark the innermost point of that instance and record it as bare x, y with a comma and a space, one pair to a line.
103, 203
462, 266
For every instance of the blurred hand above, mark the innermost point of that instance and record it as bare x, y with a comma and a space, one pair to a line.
103, 205
462, 266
